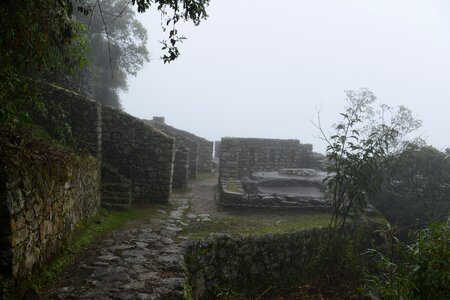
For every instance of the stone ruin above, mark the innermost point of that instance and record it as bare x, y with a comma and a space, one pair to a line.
270, 173
193, 154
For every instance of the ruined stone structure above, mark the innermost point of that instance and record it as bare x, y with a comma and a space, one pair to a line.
136, 160
241, 157
140, 154
182, 143
200, 149
116, 160
181, 169
269, 173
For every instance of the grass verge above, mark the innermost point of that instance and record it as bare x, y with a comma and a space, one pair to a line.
258, 224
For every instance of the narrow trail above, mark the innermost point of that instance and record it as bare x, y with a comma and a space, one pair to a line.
141, 260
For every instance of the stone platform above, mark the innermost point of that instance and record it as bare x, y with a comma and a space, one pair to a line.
286, 188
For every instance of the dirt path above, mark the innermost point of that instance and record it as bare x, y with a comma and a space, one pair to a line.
143, 259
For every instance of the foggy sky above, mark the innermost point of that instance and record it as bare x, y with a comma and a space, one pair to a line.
260, 68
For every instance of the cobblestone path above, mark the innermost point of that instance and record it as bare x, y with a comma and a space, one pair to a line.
139, 261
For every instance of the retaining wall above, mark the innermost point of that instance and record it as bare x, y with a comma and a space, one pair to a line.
44, 193
249, 265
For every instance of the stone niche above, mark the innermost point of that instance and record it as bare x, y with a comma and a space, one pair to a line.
270, 173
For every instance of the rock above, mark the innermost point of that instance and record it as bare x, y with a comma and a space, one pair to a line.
135, 285
109, 257
116, 277
167, 240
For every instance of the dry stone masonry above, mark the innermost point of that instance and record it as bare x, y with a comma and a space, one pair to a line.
182, 143
116, 160
42, 199
202, 158
136, 160
249, 265
181, 168
138, 152
241, 157
269, 173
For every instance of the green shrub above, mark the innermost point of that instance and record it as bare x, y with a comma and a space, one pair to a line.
420, 270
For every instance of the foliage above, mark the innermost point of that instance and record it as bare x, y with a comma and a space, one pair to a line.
418, 190
116, 49
422, 270
358, 152
257, 224
36, 37
340, 258
172, 12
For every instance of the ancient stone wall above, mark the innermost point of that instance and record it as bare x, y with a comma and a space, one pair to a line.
240, 157
205, 147
205, 155
44, 193
181, 142
139, 153
138, 162
81, 114
249, 265
180, 169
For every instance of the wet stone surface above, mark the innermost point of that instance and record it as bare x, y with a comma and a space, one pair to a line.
142, 260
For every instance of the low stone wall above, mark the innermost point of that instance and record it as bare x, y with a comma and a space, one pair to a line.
241, 157
44, 193
138, 152
249, 265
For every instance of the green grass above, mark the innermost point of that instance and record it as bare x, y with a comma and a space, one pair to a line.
256, 224
104, 222
232, 186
